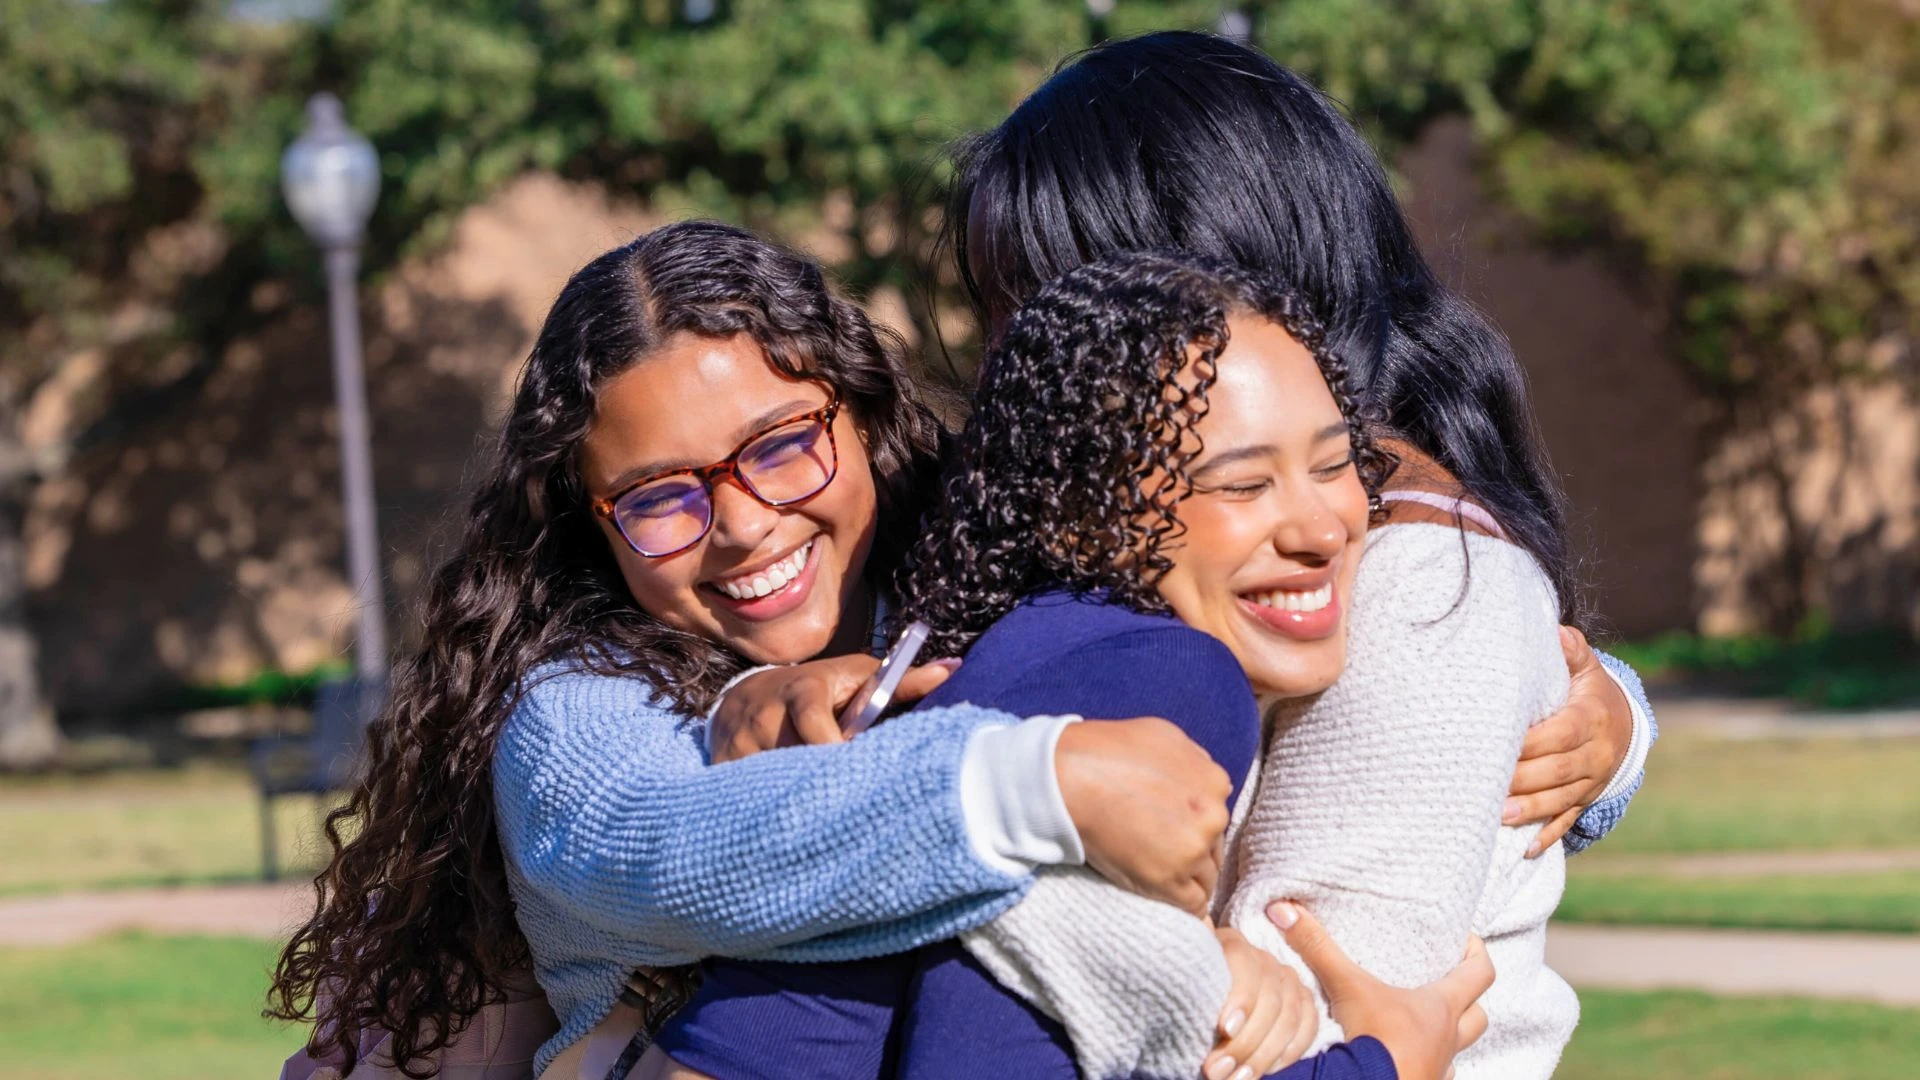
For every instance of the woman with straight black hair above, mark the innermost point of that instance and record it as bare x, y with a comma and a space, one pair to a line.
1191, 141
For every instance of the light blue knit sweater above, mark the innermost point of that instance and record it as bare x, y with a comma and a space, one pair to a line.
624, 848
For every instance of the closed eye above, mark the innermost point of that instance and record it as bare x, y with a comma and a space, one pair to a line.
1333, 469
1240, 489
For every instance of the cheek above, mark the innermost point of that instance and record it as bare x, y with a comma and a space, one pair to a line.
662, 587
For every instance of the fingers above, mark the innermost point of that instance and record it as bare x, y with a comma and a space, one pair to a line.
1554, 771
1579, 654
923, 680
1292, 1031
1462, 986
1473, 1024
1242, 1050
1557, 734
1254, 1006
1545, 805
810, 710
1338, 975
1552, 832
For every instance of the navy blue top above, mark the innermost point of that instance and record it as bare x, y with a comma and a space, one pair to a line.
1057, 653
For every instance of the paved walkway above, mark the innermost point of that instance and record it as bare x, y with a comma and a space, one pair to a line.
267, 911
1863, 967
1738, 864
1866, 967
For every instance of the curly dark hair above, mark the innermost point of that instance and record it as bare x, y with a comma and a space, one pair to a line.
1072, 466
414, 929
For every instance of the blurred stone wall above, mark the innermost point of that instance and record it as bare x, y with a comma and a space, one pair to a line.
1618, 415
204, 543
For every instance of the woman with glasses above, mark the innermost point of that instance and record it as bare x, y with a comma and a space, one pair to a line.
710, 462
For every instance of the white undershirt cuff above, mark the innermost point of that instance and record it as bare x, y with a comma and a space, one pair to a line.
1642, 741
1010, 797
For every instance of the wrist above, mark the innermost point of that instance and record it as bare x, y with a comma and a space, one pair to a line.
1010, 796
1633, 759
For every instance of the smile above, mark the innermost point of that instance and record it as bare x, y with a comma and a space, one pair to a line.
1301, 614
1293, 600
767, 580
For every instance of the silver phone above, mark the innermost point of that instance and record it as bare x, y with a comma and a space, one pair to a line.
878, 693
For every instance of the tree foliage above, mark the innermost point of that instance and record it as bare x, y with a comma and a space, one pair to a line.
1752, 154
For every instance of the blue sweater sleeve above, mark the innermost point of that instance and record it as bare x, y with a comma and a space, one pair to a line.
1600, 818
609, 812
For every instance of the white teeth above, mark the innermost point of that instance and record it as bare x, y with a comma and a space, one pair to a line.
1294, 600
771, 580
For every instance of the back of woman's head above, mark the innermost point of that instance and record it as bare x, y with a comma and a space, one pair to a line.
1074, 460
414, 927
1197, 142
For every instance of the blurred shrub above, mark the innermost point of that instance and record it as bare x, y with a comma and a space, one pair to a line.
269, 687
1817, 666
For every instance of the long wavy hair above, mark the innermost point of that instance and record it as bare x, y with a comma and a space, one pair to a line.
414, 929
1191, 141
1073, 463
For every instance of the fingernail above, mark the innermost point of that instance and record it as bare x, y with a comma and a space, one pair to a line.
951, 663
1235, 1020
1510, 814
1245, 1072
1282, 914
1220, 1068
1566, 636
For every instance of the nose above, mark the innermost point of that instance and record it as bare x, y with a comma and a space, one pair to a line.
740, 521
1309, 530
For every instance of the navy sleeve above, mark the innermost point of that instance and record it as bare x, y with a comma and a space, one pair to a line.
1364, 1058
1174, 672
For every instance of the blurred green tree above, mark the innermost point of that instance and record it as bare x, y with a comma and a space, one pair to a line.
1755, 159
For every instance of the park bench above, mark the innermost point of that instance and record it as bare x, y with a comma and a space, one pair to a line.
323, 760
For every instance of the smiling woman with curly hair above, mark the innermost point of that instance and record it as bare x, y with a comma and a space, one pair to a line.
1158, 503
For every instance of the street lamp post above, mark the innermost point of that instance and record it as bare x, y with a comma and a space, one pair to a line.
331, 177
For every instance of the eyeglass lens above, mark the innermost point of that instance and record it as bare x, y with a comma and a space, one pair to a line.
784, 465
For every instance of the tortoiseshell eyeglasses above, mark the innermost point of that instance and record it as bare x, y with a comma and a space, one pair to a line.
669, 512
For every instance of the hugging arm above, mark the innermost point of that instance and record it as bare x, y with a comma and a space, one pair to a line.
608, 810
1599, 819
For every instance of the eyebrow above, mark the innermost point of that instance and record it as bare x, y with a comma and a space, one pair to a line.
765, 419
1242, 453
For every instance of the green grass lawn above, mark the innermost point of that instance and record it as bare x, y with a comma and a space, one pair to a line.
1698, 1037
154, 1008
189, 1009
1709, 794
1888, 902
152, 827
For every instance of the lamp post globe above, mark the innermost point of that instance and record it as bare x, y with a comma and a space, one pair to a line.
331, 176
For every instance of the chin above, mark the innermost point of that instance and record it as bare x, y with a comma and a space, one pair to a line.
1295, 679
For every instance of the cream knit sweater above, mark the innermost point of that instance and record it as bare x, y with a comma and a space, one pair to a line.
1453, 654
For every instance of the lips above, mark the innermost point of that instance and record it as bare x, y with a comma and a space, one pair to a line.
768, 580
1303, 614
771, 591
